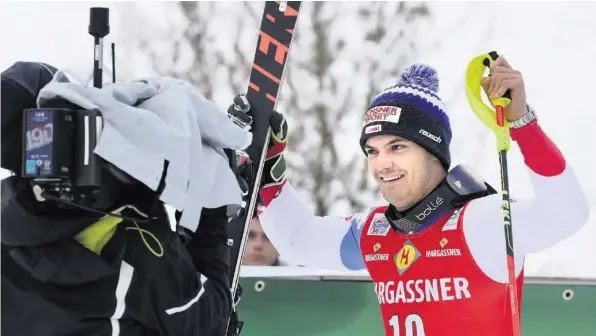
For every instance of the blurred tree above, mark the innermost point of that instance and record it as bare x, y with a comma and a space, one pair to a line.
209, 44
344, 54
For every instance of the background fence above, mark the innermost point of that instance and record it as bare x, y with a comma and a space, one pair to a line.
299, 302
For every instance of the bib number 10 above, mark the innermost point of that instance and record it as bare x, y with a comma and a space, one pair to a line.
412, 325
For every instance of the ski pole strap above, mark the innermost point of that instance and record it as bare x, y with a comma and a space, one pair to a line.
486, 114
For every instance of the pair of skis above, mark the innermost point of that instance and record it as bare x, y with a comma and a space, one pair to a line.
271, 56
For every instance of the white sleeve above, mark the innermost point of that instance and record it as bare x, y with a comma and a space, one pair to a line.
558, 211
313, 241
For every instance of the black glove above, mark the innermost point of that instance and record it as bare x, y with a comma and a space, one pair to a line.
274, 171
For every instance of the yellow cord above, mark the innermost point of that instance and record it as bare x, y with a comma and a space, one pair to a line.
142, 232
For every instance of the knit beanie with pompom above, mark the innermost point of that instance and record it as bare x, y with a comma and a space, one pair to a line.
412, 110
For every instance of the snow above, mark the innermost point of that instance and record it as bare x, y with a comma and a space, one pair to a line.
550, 42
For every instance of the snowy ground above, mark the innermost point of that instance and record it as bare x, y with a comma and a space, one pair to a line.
550, 42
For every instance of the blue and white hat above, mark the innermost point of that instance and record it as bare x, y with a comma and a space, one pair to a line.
412, 110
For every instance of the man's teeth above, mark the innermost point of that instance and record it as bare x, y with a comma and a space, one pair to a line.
392, 178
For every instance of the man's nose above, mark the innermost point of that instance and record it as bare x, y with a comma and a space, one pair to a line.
384, 162
258, 244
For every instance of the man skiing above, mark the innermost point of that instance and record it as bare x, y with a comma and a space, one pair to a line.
436, 253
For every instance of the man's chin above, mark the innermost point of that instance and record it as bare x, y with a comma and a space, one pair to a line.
396, 199
400, 203
254, 261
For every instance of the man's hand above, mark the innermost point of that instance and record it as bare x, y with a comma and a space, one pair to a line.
274, 170
240, 112
502, 78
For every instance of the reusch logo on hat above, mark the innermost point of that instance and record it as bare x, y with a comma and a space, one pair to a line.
431, 136
382, 113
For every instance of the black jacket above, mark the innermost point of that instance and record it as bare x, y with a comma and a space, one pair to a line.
143, 281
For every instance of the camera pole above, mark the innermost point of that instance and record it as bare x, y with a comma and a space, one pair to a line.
99, 27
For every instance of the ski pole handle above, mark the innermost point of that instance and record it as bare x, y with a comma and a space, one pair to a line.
498, 103
491, 115
488, 62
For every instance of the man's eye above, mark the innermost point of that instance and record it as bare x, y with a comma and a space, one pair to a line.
397, 147
370, 152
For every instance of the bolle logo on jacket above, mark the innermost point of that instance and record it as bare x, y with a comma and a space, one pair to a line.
430, 207
431, 136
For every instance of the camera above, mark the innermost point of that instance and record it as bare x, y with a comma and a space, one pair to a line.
60, 137
58, 152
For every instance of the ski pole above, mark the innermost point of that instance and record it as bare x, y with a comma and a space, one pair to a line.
495, 120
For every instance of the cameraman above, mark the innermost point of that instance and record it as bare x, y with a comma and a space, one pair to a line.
67, 271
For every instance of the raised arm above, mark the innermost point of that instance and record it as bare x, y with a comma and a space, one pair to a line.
558, 210
305, 239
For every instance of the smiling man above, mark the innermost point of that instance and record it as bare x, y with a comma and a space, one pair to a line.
436, 253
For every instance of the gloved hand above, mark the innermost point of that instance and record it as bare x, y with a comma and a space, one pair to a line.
274, 170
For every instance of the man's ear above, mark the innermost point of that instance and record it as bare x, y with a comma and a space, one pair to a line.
431, 157
435, 162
